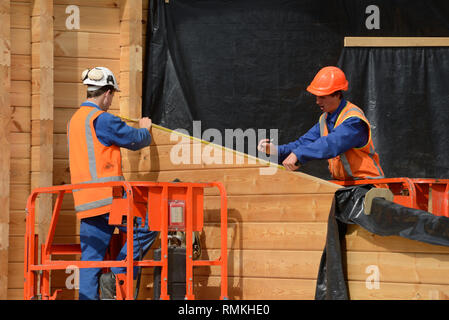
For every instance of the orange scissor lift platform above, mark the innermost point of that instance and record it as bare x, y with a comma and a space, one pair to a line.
430, 195
141, 197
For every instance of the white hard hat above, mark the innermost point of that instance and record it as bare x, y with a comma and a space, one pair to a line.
99, 77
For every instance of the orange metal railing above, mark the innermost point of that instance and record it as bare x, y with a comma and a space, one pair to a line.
141, 197
430, 195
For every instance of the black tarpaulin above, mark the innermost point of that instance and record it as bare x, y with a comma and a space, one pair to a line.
405, 97
386, 219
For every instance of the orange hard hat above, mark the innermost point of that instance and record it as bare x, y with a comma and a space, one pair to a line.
327, 81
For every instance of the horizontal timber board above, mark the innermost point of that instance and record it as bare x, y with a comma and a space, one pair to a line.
392, 267
359, 239
254, 208
89, 3
284, 264
237, 181
396, 41
69, 69
86, 45
92, 19
304, 289
287, 289
71, 95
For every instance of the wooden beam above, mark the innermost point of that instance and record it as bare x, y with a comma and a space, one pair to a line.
396, 42
131, 64
5, 120
42, 108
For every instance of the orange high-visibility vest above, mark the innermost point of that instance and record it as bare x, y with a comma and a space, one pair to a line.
356, 163
91, 162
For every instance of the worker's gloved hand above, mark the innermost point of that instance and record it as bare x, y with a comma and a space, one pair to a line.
266, 146
145, 122
291, 163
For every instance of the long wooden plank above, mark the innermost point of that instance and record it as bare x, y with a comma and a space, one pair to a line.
71, 95
255, 208
396, 41
302, 289
86, 45
69, 69
92, 19
130, 97
271, 208
389, 267
238, 181
398, 291
5, 162
262, 208
359, 239
186, 157
89, 3
42, 114
282, 236
241, 181
300, 265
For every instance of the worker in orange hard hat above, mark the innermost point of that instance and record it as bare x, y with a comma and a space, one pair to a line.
342, 135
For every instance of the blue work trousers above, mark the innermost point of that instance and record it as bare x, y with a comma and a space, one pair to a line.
95, 235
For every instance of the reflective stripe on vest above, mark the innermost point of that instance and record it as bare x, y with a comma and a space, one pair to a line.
370, 152
82, 195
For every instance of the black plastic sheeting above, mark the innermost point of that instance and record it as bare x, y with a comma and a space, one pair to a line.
386, 219
246, 64
405, 97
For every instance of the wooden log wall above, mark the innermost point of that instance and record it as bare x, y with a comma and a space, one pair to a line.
20, 134
5, 159
42, 109
277, 223
96, 43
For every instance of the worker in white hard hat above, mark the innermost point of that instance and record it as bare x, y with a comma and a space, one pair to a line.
95, 138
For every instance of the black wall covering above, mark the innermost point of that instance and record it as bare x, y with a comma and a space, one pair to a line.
405, 96
246, 64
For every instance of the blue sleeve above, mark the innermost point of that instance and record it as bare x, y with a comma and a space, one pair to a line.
111, 130
352, 133
310, 136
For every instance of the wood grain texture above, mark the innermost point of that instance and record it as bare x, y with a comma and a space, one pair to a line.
396, 41
5, 141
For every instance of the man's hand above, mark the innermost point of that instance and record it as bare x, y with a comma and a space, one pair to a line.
290, 162
145, 123
266, 146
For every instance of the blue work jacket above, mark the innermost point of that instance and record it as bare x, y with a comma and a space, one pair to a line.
111, 130
352, 133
